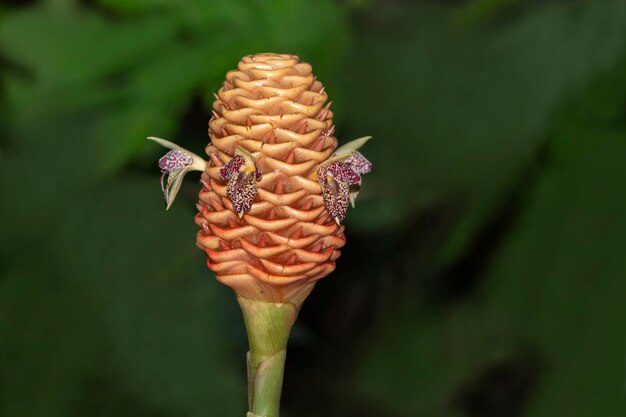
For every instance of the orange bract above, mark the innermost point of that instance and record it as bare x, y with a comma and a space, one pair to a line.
273, 107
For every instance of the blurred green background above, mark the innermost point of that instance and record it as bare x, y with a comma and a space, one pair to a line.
485, 265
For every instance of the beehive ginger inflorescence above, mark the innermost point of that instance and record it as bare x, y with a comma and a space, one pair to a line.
275, 187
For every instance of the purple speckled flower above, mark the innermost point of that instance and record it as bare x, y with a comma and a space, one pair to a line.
359, 163
232, 167
336, 179
343, 172
340, 181
174, 165
242, 176
174, 160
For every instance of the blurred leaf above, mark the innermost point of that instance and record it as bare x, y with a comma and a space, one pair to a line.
65, 48
559, 278
555, 287
416, 365
485, 10
167, 320
134, 6
86, 136
99, 112
50, 341
116, 273
458, 113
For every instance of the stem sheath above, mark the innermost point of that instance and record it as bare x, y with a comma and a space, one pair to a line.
268, 326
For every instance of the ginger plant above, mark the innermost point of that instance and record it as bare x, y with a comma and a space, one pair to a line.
275, 190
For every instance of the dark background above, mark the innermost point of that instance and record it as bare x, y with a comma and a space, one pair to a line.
485, 265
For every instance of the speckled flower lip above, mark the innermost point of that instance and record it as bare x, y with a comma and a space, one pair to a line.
242, 175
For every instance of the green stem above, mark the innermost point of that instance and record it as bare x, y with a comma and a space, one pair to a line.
268, 326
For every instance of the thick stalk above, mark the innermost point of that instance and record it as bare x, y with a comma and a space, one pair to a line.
268, 326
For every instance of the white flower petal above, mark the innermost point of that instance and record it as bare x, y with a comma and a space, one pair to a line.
352, 146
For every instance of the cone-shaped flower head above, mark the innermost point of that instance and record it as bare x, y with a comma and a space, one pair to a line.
275, 186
